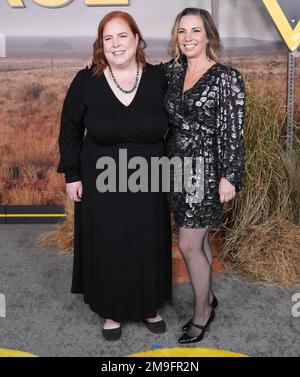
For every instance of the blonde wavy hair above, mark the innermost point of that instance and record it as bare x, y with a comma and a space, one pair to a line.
214, 45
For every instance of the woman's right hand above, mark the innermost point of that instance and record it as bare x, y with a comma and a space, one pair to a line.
74, 190
89, 63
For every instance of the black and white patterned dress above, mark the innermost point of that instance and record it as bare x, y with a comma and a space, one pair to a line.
205, 121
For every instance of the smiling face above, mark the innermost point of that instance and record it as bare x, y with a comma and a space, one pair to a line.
119, 43
192, 37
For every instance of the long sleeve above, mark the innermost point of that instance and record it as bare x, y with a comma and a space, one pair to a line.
72, 130
167, 69
230, 124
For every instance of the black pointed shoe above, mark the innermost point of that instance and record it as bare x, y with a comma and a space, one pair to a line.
158, 327
185, 338
112, 334
214, 304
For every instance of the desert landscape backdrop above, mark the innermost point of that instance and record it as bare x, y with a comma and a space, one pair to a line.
34, 79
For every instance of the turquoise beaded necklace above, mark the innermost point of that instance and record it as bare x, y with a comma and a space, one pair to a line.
119, 86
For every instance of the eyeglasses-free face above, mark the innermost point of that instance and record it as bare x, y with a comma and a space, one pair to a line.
192, 37
119, 43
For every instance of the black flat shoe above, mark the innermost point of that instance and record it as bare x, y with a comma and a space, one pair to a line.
112, 334
214, 304
158, 327
185, 338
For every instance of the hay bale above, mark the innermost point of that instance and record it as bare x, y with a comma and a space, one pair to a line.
63, 235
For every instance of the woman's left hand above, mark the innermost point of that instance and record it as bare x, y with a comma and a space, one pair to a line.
226, 190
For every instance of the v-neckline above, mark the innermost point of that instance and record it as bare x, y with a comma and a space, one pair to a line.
197, 82
115, 96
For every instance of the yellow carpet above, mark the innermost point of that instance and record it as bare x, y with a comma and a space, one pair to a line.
164, 352
14, 353
188, 352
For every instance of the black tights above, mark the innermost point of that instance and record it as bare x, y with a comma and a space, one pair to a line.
196, 251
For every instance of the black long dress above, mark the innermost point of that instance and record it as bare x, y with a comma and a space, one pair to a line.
122, 240
206, 121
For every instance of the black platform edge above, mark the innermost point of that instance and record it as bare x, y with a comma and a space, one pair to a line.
32, 214
2, 215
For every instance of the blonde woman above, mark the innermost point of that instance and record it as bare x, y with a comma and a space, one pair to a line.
205, 103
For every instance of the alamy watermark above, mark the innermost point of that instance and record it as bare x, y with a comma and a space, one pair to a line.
2, 46
2, 305
296, 306
168, 175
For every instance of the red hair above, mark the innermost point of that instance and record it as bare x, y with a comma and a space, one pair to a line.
98, 54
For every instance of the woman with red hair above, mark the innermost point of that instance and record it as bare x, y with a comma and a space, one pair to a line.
122, 237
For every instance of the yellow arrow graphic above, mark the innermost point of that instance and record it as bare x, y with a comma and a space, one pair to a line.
290, 35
